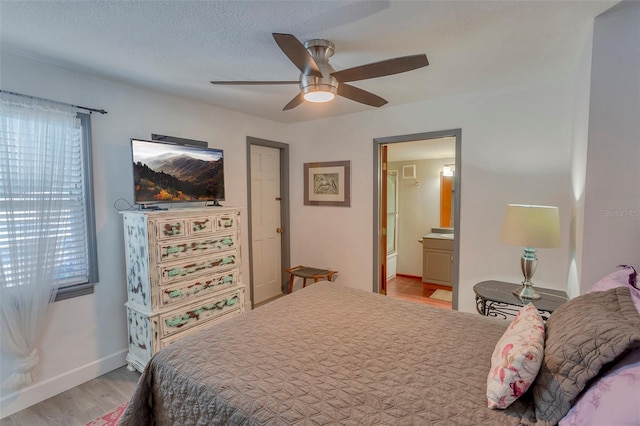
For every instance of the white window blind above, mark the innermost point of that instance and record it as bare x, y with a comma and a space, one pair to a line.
69, 222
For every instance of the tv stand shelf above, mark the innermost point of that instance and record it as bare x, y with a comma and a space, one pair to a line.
183, 275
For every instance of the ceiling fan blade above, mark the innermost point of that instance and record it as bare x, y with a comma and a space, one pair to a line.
359, 95
296, 52
294, 102
253, 83
382, 68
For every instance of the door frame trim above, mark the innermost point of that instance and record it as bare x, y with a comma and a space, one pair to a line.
377, 176
284, 208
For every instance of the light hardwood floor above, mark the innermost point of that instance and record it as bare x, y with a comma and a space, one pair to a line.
414, 290
81, 404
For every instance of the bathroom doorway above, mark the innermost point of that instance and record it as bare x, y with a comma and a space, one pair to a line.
418, 185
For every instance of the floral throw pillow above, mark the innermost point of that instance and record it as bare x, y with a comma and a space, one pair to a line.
516, 358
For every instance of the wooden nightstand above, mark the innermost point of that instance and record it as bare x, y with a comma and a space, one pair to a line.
496, 299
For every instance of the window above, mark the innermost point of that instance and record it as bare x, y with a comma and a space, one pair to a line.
75, 263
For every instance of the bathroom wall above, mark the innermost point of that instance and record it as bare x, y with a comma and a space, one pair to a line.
418, 210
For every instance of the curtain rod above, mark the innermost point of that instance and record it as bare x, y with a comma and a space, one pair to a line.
101, 111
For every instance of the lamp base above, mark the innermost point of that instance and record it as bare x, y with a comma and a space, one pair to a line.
528, 264
526, 292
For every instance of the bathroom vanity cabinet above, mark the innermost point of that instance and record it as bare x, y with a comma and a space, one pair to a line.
437, 259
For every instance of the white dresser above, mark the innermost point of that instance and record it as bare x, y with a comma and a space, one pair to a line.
183, 274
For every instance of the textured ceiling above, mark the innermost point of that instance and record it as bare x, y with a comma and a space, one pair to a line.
179, 46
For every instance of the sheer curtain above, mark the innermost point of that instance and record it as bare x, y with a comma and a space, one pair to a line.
37, 140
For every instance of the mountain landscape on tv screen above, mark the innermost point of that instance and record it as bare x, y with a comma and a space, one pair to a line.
171, 177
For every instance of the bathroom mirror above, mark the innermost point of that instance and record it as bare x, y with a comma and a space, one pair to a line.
446, 200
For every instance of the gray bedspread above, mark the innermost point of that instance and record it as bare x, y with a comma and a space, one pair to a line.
331, 355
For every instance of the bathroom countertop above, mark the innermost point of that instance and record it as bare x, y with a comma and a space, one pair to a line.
438, 236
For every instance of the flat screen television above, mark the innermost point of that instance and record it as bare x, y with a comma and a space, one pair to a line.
174, 173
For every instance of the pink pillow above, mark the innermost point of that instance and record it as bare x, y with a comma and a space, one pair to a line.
612, 399
516, 358
626, 276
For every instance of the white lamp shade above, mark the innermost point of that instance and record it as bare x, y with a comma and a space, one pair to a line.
531, 226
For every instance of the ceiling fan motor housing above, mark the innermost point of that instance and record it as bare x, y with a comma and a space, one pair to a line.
321, 50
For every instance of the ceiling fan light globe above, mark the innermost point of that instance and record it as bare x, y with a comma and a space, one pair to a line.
319, 96
317, 92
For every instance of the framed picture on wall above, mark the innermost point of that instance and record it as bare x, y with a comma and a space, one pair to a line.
327, 184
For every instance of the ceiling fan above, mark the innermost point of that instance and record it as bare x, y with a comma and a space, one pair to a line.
319, 82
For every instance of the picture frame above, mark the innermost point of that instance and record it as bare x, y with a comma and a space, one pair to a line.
327, 184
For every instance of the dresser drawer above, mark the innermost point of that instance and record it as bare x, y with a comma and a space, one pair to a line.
172, 228
201, 226
195, 314
172, 338
206, 285
226, 222
171, 250
174, 271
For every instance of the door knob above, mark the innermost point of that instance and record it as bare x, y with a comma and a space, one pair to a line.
279, 230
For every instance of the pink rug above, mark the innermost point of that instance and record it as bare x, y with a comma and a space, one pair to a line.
112, 418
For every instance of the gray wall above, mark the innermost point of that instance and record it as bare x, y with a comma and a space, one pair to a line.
612, 191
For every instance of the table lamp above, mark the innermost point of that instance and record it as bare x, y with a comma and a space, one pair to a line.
530, 227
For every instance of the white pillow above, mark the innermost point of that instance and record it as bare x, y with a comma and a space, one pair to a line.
516, 358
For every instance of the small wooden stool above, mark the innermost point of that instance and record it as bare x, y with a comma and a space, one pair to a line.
305, 272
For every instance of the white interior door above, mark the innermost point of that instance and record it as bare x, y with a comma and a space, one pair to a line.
265, 223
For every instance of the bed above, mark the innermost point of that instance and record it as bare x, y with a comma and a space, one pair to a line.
329, 354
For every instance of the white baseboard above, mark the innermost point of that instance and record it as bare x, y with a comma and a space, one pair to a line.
24, 398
